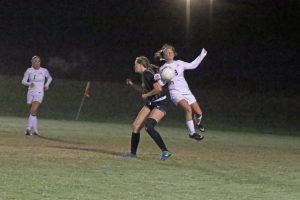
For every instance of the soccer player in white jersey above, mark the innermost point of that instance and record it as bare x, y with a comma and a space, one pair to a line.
38, 80
180, 92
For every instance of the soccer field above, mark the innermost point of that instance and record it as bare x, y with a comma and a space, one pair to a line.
82, 160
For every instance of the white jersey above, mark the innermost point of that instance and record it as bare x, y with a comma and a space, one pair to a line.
178, 84
38, 78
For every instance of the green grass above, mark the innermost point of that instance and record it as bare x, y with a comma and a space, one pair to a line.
81, 160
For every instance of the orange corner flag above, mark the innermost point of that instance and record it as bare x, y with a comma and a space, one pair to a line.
87, 91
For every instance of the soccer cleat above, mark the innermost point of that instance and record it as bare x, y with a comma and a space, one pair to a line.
27, 132
35, 133
165, 155
130, 155
200, 127
196, 136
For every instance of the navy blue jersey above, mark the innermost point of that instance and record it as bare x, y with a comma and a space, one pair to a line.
147, 83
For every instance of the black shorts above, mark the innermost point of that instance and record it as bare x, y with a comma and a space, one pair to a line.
160, 105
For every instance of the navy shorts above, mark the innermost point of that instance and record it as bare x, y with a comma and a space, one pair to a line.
160, 105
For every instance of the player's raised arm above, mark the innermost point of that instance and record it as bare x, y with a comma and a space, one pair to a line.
195, 63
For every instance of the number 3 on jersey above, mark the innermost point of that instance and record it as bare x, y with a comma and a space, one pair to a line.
176, 73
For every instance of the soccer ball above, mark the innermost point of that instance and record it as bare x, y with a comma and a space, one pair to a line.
167, 74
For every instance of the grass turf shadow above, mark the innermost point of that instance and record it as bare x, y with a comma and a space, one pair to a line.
57, 140
114, 153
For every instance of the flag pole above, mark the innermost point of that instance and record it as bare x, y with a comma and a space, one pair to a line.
81, 104
83, 98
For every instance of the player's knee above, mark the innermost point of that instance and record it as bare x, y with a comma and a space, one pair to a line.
135, 127
188, 109
150, 124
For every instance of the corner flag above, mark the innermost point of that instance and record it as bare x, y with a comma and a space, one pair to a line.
87, 93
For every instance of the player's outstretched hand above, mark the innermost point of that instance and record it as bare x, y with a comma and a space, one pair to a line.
46, 88
203, 52
128, 81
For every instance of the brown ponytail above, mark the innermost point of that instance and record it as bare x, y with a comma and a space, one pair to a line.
158, 55
143, 60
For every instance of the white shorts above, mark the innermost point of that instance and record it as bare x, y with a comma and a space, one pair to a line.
176, 97
34, 96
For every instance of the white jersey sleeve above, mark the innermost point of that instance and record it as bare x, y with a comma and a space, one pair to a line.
25, 80
195, 63
48, 77
157, 77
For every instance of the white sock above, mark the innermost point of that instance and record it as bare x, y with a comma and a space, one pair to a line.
35, 124
30, 122
191, 127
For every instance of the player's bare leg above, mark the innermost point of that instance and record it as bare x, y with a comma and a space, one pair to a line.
32, 120
33, 113
29, 123
140, 118
189, 119
136, 127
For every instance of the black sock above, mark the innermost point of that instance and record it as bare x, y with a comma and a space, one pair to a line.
150, 124
135, 139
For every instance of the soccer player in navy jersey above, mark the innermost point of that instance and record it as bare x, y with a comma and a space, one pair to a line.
154, 109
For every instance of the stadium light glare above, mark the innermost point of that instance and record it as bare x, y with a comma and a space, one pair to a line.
188, 13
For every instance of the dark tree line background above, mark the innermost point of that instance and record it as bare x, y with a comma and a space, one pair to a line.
252, 45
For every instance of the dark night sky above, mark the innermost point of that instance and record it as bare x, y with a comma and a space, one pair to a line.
247, 40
